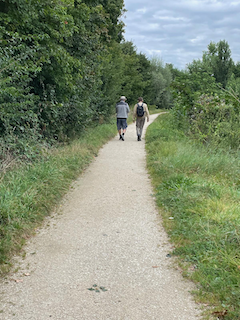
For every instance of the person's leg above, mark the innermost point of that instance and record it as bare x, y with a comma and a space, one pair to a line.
124, 126
139, 125
120, 134
119, 128
138, 128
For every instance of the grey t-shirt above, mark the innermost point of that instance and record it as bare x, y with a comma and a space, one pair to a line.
122, 110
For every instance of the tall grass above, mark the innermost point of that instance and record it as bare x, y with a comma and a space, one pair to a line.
199, 189
30, 192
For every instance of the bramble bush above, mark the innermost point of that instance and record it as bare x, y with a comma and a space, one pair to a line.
212, 119
215, 120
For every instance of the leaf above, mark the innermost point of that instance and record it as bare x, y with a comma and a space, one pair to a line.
91, 289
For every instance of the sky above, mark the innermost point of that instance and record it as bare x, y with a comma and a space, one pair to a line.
178, 31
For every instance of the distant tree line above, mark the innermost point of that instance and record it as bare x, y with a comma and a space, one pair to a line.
63, 66
207, 97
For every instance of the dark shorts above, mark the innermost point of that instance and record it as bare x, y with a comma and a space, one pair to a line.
121, 123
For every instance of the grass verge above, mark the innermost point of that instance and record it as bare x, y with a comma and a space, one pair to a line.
30, 192
198, 191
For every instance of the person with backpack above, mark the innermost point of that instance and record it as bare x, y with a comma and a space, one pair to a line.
122, 110
140, 112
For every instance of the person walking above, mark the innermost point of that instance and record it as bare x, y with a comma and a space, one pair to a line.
140, 112
122, 110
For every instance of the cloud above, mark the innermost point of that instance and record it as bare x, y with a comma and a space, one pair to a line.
169, 18
180, 30
142, 10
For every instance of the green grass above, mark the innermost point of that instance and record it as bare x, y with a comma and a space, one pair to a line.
30, 192
200, 189
153, 109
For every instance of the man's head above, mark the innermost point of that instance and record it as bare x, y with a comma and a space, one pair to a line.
140, 99
123, 98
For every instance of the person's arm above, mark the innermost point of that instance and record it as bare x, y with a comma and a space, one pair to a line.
147, 112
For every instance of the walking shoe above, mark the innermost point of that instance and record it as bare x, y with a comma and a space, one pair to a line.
122, 138
139, 139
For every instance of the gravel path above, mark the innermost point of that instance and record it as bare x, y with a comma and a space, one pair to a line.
108, 235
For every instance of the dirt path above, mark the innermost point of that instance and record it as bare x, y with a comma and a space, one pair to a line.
109, 234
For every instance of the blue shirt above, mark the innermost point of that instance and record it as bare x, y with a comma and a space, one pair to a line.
122, 109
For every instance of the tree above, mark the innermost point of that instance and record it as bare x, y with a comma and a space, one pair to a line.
236, 69
145, 70
218, 59
201, 78
133, 84
161, 79
53, 67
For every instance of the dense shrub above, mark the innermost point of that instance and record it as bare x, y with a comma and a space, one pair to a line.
206, 98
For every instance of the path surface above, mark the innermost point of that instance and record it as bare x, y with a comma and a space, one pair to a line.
108, 234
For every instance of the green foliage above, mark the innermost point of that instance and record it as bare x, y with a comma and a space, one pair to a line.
233, 85
160, 81
18, 119
206, 98
63, 66
216, 120
111, 80
52, 63
146, 71
218, 59
187, 87
133, 84
196, 80
198, 188
236, 70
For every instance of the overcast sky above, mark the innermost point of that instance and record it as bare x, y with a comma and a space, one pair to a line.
179, 31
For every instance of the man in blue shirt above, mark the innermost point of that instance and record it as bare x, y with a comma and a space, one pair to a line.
122, 110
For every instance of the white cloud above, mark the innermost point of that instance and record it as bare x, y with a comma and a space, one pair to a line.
204, 4
154, 52
142, 10
151, 26
198, 39
180, 30
166, 16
